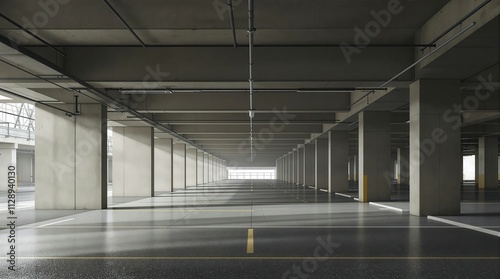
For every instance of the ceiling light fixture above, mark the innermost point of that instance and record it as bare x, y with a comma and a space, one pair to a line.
145, 91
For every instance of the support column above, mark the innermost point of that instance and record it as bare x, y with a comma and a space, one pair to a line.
206, 168
191, 167
488, 163
296, 166
435, 151
374, 156
310, 164
201, 168
71, 158
300, 167
321, 164
285, 168
8, 157
133, 162
403, 162
338, 158
163, 165
292, 167
179, 166
210, 168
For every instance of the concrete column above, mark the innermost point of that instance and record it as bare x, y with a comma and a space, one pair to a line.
71, 158
321, 163
210, 168
310, 164
133, 162
206, 168
403, 162
163, 165
179, 166
285, 168
296, 166
338, 158
191, 167
488, 163
300, 166
292, 167
8, 157
200, 167
435, 151
355, 167
374, 156
224, 171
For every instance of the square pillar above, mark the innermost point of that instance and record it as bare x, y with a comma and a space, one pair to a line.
488, 163
310, 164
375, 163
206, 168
179, 166
8, 157
71, 158
435, 150
403, 162
191, 167
133, 162
163, 165
200, 168
286, 168
321, 163
300, 166
338, 159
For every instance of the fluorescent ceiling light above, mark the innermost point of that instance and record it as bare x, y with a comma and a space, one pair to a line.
145, 91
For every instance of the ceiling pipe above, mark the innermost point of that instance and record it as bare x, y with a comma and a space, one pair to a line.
251, 31
255, 45
456, 24
124, 22
231, 19
416, 62
100, 97
15, 45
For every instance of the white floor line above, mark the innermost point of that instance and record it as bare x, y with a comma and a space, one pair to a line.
53, 223
326, 191
387, 207
343, 195
356, 199
465, 226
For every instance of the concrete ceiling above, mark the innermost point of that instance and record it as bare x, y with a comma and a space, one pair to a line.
304, 83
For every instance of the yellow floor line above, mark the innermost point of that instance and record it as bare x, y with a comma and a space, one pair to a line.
250, 242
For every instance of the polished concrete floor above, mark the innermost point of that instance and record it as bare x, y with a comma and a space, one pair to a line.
247, 229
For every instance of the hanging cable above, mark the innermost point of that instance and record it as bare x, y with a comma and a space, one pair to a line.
251, 31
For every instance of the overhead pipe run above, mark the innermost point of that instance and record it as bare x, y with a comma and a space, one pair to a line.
251, 31
416, 62
231, 20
